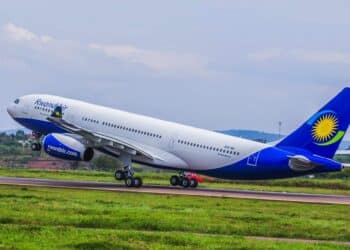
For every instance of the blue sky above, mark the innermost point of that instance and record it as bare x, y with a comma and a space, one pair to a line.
210, 64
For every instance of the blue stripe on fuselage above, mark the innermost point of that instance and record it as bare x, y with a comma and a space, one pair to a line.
44, 127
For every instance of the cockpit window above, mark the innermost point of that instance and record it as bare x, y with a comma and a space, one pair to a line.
17, 101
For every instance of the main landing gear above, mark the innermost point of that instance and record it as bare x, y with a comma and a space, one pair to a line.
184, 180
128, 178
127, 174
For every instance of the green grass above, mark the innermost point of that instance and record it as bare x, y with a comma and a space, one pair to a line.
44, 218
332, 185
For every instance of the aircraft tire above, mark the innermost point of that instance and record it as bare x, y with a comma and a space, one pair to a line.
129, 182
137, 182
174, 180
185, 182
119, 175
36, 147
193, 183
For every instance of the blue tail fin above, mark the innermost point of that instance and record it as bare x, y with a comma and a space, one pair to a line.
324, 131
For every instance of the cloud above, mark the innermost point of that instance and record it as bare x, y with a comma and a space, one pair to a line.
266, 54
17, 33
324, 57
302, 55
154, 60
161, 61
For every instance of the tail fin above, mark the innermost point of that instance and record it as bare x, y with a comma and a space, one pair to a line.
324, 131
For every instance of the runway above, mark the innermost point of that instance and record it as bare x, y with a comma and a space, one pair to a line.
205, 192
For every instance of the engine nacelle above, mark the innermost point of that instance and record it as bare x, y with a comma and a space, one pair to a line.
67, 148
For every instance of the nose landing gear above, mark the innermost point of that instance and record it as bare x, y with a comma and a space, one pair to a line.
36, 145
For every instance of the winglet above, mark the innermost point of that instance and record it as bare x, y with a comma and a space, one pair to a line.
57, 112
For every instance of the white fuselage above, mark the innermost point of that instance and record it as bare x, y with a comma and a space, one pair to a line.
179, 146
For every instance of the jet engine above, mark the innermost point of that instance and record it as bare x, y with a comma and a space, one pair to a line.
67, 148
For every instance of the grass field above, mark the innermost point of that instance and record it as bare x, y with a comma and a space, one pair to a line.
331, 185
44, 218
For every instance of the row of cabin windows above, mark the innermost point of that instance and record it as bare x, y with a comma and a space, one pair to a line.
221, 150
123, 128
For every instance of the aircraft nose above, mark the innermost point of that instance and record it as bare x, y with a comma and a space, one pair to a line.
10, 110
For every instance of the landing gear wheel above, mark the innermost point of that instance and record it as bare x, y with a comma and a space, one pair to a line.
137, 182
185, 182
129, 182
193, 183
174, 180
119, 175
36, 147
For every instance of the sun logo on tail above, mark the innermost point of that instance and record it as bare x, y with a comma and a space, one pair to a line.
325, 129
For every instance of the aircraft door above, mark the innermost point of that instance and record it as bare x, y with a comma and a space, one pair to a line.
172, 142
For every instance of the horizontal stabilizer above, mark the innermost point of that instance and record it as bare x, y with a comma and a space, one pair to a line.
305, 163
300, 163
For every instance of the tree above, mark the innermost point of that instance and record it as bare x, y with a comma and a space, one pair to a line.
20, 135
104, 162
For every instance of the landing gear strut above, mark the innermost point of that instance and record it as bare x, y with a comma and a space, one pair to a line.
36, 145
127, 174
184, 180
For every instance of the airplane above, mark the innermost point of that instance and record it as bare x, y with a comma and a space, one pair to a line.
75, 130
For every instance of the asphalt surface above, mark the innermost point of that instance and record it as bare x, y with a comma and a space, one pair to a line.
155, 189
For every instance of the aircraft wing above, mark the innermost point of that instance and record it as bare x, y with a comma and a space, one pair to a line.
98, 140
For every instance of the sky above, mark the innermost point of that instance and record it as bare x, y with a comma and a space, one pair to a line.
210, 64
